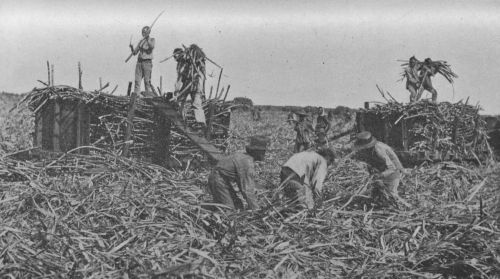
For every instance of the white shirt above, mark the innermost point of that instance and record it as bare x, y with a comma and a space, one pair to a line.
310, 166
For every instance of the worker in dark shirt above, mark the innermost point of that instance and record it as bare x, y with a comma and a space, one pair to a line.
237, 168
322, 128
305, 130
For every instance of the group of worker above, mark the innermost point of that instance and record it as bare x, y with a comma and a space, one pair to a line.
144, 51
302, 176
307, 135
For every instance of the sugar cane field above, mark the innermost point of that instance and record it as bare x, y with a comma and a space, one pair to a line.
107, 216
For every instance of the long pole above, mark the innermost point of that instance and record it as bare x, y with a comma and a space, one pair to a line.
80, 76
48, 73
161, 85
52, 75
218, 82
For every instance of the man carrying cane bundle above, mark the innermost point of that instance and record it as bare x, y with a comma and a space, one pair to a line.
428, 70
411, 73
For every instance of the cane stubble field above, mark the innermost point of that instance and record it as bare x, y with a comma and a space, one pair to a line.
103, 216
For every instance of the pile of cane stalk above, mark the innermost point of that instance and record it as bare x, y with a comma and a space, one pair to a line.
102, 215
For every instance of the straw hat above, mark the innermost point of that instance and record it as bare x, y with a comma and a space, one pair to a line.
364, 140
258, 143
302, 112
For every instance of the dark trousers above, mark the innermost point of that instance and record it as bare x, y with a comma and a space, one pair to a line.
295, 190
222, 191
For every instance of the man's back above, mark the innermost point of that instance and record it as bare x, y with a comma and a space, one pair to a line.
231, 165
309, 165
380, 157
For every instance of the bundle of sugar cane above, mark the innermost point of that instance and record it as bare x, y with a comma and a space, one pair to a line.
440, 66
191, 69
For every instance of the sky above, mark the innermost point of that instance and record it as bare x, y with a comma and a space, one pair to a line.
320, 53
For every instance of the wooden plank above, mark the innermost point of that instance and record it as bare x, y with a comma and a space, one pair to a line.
37, 141
206, 146
210, 120
130, 123
404, 135
129, 88
85, 126
67, 125
56, 129
78, 119
47, 125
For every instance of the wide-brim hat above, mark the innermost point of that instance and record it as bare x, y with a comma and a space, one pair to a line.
364, 140
302, 112
258, 143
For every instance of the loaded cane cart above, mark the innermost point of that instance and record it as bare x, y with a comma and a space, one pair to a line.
426, 131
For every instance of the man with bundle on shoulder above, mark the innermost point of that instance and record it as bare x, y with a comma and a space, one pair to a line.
412, 75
